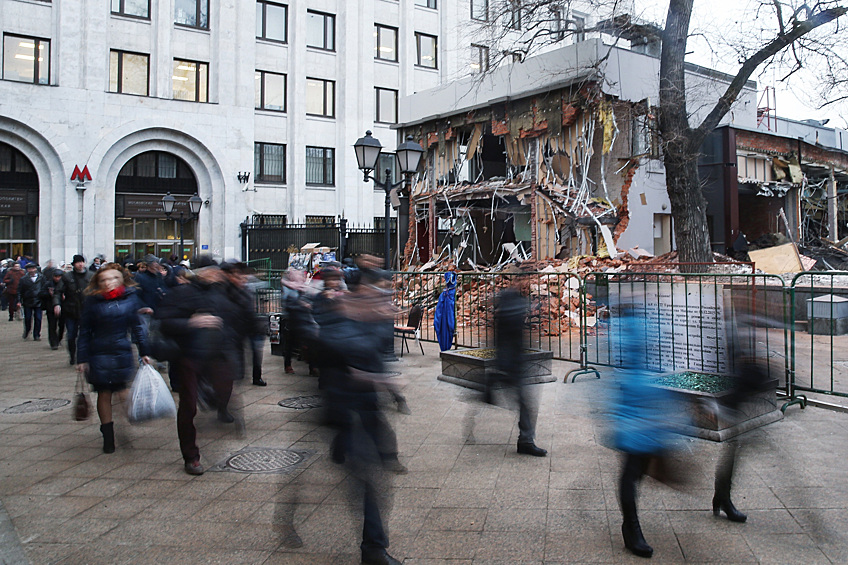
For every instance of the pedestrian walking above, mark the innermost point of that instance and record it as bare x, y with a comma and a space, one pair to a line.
10, 282
55, 320
240, 293
109, 317
32, 292
300, 326
198, 317
69, 301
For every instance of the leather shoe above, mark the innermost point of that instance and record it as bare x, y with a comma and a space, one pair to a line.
381, 558
531, 449
259, 382
726, 506
194, 468
289, 370
225, 417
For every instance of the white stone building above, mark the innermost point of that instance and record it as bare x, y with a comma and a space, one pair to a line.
186, 96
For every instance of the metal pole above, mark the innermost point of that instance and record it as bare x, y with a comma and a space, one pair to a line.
182, 243
387, 187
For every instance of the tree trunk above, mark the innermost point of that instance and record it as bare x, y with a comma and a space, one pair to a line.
688, 208
680, 143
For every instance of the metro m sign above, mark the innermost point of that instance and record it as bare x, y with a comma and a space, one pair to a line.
81, 175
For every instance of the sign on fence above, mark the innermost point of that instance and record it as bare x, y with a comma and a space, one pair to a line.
684, 328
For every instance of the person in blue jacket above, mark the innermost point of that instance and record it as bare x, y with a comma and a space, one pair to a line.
104, 350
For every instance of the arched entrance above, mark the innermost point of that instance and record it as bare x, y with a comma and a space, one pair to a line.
18, 203
141, 227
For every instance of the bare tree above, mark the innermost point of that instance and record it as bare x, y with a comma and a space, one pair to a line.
794, 36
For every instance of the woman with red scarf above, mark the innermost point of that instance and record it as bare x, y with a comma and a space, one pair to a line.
104, 349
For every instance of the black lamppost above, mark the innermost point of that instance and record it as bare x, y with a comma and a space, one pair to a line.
194, 204
408, 155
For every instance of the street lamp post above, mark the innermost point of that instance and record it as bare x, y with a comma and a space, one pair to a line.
408, 156
194, 204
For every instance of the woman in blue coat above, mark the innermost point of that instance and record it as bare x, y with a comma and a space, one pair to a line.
104, 349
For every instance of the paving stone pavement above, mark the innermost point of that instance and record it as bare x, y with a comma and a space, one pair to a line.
468, 497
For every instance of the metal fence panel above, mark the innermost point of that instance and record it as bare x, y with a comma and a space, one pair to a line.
819, 340
692, 321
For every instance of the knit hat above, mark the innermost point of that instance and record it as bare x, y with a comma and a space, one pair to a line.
78, 258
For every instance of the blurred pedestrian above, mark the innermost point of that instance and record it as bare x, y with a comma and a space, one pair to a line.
250, 325
511, 312
10, 288
31, 293
109, 317
55, 322
199, 317
350, 344
300, 325
68, 302
642, 421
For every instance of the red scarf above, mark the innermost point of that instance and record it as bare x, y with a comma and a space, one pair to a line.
113, 294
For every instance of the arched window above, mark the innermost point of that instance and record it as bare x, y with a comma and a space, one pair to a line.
156, 172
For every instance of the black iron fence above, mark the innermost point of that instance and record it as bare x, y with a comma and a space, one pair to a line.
276, 242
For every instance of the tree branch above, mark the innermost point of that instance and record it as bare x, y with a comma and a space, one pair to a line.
798, 30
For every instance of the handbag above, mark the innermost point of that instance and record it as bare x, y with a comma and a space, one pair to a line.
81, 406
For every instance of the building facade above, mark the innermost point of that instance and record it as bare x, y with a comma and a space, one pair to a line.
251, 105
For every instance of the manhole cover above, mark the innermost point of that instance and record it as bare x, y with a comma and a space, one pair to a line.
302, 402
40, 405
262, 460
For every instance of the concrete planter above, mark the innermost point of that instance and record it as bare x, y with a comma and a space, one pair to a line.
468, 367
709, 421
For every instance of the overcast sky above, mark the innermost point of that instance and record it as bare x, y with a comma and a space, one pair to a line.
722, 23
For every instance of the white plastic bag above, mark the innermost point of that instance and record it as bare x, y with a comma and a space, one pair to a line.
149, 397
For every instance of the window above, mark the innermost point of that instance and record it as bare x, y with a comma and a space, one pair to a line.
480, 10
579, 27
320, 220
426, 49
385, 161
192, 13
320, 97
132, 8
320, 166
272, 21
480, 58
385, 43
26, 59
320, 30
191, 81
426, 3
270, 91
380, 224
156, 172
269, 162
513, 15
387, 100
557, 24
129, 73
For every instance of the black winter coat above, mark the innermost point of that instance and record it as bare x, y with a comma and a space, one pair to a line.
71, 296
104, 341
32, 293
204, 345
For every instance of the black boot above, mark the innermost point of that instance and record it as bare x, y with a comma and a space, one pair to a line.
108, 431
724, 504
634, 541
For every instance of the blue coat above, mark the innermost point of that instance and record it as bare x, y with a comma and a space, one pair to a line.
643, 413
444, 318
104, 338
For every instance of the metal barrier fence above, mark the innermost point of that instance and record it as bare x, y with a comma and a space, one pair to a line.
693, 322
422, 289
819, 342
